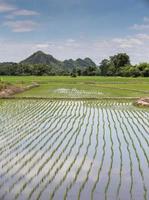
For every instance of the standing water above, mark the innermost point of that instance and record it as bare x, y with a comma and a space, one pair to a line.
75, 150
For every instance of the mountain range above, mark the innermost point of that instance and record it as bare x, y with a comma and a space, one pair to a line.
40, 57
40, 63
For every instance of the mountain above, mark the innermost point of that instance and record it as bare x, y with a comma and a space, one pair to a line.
79, 63
41, 63
40, 58
87, 62
69, 64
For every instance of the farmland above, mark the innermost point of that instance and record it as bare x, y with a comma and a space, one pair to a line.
73, 150
59, 143
83, 87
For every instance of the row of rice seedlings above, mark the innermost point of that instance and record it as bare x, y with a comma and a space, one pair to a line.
65, 176
131, 115
66, 157
34, 140
120, 152
138, 126
136, 153
138, 138
129, 154
33, 133
111, 157
16, 172
94, 156
143, 125
145, 114
44, 182
20, 142
66, 134
23, 145
29, 159
26, 183
145, 122
31, 167
25, 123
7, 128
41, 118
17, 128
12, 107
115, 104
11, 110
142, 119
102, 159
68, 188
62, 133
23, 111
17, 162
16, 135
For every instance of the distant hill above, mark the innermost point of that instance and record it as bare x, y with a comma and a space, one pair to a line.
79, 63
40, 58
41, 63
87, 62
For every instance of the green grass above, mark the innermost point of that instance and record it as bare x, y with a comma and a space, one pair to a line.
82, 86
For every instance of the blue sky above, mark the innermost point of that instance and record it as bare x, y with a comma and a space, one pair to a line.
74, 28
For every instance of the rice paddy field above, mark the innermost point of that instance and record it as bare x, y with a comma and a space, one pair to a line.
74, 150
82, 87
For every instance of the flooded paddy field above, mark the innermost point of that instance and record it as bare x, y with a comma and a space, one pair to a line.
75, 150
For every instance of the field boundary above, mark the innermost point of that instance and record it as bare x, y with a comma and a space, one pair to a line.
69, 98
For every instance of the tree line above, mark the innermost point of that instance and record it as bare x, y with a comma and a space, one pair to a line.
117, 65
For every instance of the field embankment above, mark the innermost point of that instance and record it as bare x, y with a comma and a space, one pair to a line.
143, 102
8, 90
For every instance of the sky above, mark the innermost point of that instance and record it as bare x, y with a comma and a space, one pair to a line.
74, 29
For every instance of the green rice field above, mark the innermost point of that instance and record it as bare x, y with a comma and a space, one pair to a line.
82, 87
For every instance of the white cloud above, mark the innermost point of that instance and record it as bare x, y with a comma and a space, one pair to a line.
143, 26
146, 19
143, 36
42, 46
4, 7
128, 42
25, 13
137, 46
21, 25
140, 27
9, 17
70, 40
11, 11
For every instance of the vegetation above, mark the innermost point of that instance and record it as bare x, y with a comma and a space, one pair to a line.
119, 65
41, 64
81, 87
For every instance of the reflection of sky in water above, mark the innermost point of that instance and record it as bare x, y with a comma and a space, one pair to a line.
50, 147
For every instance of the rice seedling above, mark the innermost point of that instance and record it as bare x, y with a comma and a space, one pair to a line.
52, 150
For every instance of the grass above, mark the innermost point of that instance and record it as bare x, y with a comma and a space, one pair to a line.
82, 87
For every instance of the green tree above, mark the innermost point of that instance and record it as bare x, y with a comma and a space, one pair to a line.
104, 65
